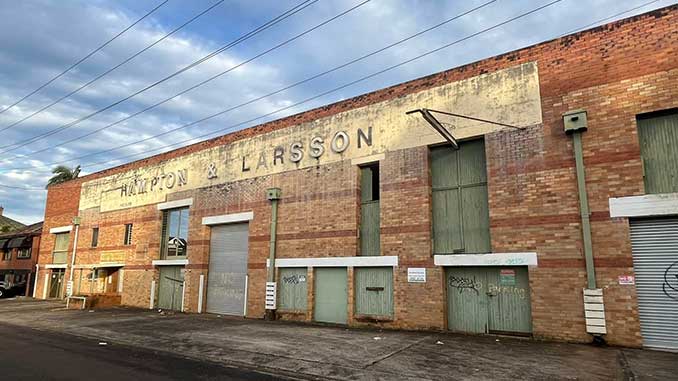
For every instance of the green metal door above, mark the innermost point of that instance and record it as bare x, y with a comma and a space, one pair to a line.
331, 295
508, 290
466, 299
292, 294
488, 300
374, 291
171, 287
658, 138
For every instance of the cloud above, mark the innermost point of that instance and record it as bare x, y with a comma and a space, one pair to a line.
49, 36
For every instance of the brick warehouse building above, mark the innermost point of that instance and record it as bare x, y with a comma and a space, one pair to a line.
379, 222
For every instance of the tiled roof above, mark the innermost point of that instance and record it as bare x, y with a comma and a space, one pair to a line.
34, 229
13, 225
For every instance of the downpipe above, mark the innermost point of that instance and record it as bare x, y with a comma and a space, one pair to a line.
273, 195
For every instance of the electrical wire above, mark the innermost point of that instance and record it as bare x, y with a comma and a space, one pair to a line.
113, 68
85, 57
252, 100
265, 26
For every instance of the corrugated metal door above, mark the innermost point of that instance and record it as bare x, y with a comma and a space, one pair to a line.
509, 308
292, 293
171, 287
227, 269
655, 263
374, 291
466, 299
331, 295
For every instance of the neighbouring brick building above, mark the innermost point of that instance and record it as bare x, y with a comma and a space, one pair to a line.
19, 252
380, 222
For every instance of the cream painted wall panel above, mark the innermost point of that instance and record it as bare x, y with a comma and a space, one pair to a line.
510, 96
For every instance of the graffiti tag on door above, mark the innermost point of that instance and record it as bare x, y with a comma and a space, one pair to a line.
463, 283
670, 286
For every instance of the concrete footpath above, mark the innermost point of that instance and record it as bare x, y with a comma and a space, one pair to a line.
315, 352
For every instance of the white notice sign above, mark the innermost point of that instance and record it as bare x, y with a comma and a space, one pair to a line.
416, 275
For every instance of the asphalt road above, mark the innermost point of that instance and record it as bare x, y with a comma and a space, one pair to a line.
28, 354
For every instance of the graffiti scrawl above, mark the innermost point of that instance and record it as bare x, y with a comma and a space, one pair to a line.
670, 286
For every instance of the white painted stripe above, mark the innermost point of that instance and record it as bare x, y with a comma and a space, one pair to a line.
99, 265
595, 329
595, 321
593, 299
368, 159
121, 274
372, 261
61, 229
593, 292
56, 266
183, 294
643, 206
152, 294
594, 314
200, 292
593, 307
492, 259
247, 281
175, 204
170, 262
228, 218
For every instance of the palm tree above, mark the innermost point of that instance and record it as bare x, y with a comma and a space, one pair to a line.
62, 174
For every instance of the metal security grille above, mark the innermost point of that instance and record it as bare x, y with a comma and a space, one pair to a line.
655, 261
228, 269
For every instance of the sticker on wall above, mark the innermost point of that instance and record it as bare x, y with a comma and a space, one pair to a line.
416, 275
627, 280
507, 277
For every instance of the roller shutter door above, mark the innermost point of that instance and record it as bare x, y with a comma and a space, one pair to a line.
655, 261
227, 269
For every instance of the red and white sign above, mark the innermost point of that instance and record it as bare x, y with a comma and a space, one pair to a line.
627, 279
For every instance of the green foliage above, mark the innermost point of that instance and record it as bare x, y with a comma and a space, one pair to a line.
62, 174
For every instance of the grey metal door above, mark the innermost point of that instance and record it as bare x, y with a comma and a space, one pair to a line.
171, 287
228, 269
331, 295
655, 262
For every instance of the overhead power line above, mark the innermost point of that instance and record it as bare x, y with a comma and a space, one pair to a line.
298, 83
248, 35
320, 95
364, 78
607, 18
114, 67
85, 57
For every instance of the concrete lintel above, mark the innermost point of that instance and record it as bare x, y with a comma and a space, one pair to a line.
61, 229
492, 259
228, 218
175, 204
644, 206
170, 262
371, 261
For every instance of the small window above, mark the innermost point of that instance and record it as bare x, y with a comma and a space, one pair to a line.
95, 237
24, 253
60, 252
6, 255
128, 235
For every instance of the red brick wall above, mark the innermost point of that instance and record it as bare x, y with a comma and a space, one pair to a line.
614, 72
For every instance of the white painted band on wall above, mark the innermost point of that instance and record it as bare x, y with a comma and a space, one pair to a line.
61, 229
493, 259
228, 218
121, 277
152, 303
247, 283
175, 204
375, 261
644, 206
99, 265
201, 288
170, 262
183, 294
56, 266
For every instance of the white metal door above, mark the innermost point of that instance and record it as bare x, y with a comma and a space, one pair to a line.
227, 269
655, 263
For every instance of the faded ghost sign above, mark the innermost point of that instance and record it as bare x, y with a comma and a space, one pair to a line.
154, 184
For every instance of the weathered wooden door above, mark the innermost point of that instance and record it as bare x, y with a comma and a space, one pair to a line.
171, 287
374, 291
331, 295
489, 300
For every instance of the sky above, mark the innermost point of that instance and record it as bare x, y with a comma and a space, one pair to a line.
43, 38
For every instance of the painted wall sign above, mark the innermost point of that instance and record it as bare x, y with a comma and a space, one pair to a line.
510, 95
627, 279
416, 275
507, 277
